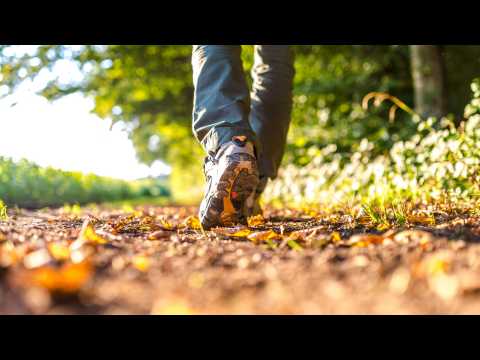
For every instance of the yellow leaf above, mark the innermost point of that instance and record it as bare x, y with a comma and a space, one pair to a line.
256, 220
192, 222
421, 219
67, 279
59, 251
294, 245
88, 234
383, 227
141, 263
234, 232
241, 233
166, 225
364, 220
336, 237
175, 306
263, 236
363, 240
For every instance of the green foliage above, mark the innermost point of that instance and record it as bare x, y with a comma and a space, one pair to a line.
3, 211
28, 185
149, 90
440, 162
330, 83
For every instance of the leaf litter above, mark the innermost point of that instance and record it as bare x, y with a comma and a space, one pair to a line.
160, 260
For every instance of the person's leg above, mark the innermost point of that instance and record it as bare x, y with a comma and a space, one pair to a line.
221, 124
221, 98
271, 104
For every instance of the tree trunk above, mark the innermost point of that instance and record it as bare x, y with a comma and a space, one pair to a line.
428, 80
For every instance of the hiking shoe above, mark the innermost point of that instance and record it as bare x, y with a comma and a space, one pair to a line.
253, 207
232, 177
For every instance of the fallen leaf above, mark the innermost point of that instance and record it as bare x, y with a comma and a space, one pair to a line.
263, 236
69, 278
363, 240
294, 245
159, 234
147, 223
192, 222
421, 219
364, 220
315, 236
166, 225
58, 251
256, 220
88, 234
383, 227
239, 231
141, 263
121, 224
336, 237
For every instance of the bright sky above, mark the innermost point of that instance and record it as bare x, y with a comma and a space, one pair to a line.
66, 135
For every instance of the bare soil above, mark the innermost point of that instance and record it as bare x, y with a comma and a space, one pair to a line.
157, 262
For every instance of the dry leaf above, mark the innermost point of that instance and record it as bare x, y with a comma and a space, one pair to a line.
120, 225
58, 251
88, 234
141, 263
336, 237
147, 223
363, 240
294, 245
256, 220
166, 225
159, 234
192, 222
67, 279
421, 219
263, 236
239, 231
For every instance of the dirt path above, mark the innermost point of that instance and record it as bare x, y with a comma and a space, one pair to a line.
159, 262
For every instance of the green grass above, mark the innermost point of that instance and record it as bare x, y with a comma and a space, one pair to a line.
3, 211
28, 185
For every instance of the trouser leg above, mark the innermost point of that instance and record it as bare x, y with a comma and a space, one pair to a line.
271, 103
221, 99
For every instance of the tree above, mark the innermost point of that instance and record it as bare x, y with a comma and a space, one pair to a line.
148, 88
428, 73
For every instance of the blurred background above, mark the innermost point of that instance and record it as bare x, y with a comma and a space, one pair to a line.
95, 123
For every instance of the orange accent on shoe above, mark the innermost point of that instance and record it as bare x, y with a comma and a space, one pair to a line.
241, 138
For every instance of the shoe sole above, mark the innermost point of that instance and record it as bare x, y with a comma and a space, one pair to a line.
236, 185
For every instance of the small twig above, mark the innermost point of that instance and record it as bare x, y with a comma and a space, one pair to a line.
380, 97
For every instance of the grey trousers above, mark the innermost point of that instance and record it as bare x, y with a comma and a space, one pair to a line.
224, 108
